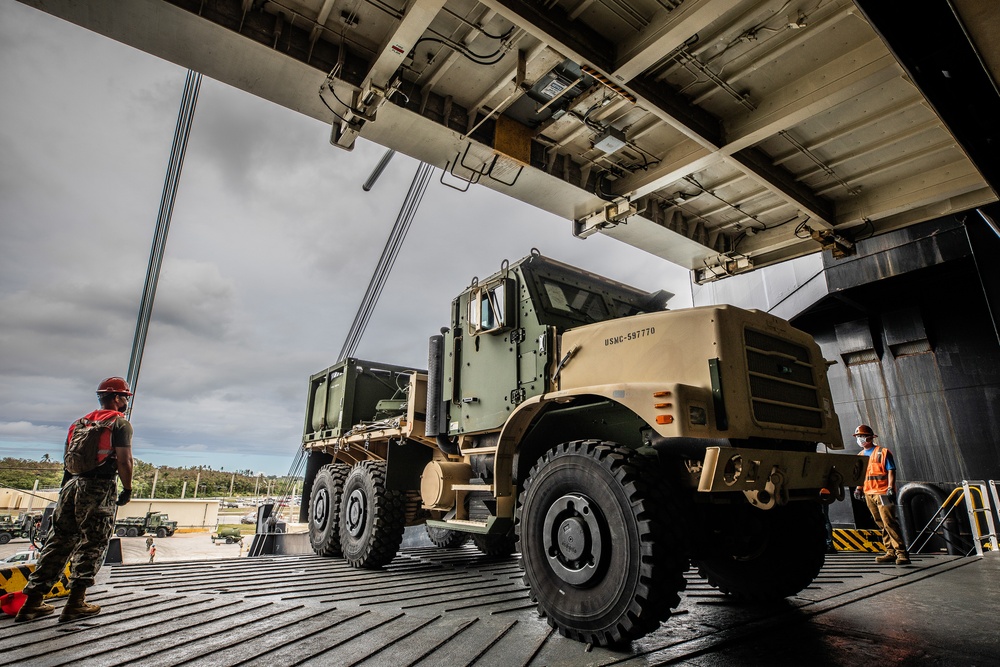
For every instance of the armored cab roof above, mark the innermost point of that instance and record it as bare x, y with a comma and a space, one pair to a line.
565, 295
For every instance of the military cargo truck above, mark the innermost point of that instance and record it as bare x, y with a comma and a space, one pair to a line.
610, 440
154, 523
11, 528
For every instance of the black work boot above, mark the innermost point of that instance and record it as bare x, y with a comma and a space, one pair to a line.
77, 606
34, 607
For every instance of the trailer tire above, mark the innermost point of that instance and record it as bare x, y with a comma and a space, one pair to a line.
161, 533
5, 538
496, 546
600, 554
446, 539
132, 532
778, 553
120, 532
229, 540
324, 509
372, 517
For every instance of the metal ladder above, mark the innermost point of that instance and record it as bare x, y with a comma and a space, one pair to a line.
988, 539
982, 513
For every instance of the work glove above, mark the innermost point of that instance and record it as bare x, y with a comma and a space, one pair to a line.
858, 495
891, 492
124, 497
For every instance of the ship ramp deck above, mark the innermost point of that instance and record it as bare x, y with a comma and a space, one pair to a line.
456, 607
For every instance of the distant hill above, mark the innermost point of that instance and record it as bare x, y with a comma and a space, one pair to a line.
21, 474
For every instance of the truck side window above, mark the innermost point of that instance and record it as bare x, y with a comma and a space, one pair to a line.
487, 308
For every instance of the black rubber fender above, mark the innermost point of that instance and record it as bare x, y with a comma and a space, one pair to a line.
908, 521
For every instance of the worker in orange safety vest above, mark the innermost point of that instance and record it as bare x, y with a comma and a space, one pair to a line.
879, 493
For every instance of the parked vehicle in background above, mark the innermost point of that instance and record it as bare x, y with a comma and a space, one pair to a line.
154, 523
229, 535
20, 558
11, 528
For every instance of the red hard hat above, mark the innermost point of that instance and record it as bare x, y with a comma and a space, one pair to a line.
11, 603
865, 429
114, 385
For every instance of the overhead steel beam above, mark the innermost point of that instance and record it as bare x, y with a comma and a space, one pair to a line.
845, 76
758, 58
669, 29
683, 159
574, 40
393, 52
935, 185
938, 53
840, 80
883, 113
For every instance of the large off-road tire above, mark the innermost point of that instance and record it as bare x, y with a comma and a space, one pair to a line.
372, 517
775, 554
132, 532
495, 545
324, 509
4, 538
446, 539
599, 554
161, 533
120, 532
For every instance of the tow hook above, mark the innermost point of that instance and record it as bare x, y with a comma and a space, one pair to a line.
775, 492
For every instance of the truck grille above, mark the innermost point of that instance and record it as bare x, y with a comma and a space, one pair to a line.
782, 381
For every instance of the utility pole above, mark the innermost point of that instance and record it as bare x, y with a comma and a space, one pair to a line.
156, 476
197, 481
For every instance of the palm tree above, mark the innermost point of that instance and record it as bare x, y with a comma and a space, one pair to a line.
46, 458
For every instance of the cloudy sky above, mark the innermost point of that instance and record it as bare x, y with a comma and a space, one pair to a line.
271, 246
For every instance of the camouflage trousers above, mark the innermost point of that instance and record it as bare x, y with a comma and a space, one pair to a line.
81, 529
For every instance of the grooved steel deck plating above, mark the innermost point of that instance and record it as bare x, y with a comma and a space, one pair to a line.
457, 607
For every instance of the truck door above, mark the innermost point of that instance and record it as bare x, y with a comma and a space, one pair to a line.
488, 357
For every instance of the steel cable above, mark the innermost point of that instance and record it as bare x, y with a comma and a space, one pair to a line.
387, 259
182, 132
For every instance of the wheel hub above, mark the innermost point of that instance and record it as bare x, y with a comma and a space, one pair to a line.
573, 541
320, 507
357, 509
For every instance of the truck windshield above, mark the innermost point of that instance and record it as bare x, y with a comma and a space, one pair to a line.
583, 305
575, 302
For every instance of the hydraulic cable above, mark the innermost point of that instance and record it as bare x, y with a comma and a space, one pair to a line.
386, 261
182, 132
388, 258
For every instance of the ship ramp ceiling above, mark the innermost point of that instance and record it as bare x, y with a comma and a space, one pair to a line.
721, 135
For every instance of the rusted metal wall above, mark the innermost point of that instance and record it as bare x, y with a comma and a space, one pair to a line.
910, 322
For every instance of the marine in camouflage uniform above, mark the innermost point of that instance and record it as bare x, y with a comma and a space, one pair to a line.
84, 519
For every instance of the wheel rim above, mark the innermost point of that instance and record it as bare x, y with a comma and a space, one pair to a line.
357, 509
321, 505
572, 534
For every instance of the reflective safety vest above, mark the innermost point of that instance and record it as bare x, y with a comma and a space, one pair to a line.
877, 479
